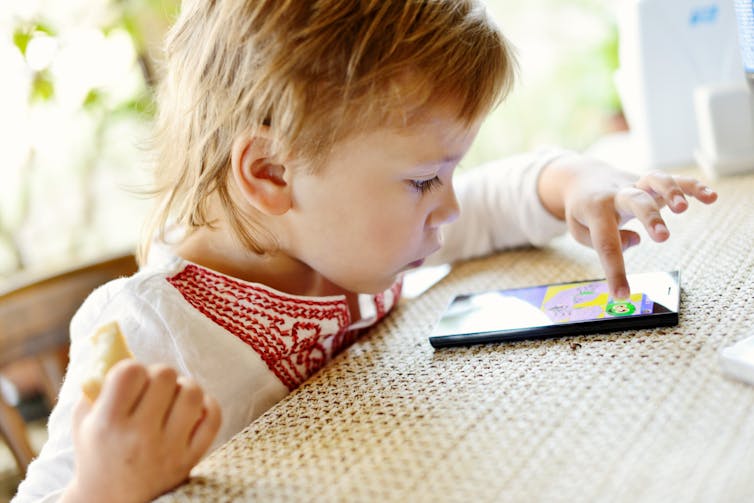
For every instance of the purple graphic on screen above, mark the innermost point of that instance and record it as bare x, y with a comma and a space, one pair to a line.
581, 302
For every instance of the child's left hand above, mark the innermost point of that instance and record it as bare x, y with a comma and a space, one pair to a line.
596, 200
142, 436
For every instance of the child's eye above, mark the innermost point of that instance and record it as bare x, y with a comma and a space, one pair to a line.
424, 186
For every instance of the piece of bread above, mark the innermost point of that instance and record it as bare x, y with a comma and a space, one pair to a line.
109, 348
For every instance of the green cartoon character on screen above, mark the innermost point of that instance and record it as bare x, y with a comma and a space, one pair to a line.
624, 308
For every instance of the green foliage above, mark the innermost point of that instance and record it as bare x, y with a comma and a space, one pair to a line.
42, 87
93, 99
88, 155
564, 94
143, 105
23, 34
21, 40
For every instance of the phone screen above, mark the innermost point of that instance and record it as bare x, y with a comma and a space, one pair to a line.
558, 309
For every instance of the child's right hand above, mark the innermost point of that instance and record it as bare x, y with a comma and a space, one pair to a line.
142, 436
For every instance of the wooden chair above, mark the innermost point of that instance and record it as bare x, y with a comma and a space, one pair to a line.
34, 319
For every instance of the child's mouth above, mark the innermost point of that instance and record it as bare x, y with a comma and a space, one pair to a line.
415, 264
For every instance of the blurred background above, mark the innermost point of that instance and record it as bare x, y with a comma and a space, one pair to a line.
76, 110
76, 102
76, 106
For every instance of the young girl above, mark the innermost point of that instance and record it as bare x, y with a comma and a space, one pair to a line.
306, 156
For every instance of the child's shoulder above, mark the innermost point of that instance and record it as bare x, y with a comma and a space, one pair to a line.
145, 299
149, 283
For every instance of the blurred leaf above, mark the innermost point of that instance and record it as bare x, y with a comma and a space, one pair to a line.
42, 88
21, 40
23, 34
93, 99
43, 28
142, 105
609, 49
128, 23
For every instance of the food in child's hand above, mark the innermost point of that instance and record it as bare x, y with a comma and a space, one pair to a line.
109, 348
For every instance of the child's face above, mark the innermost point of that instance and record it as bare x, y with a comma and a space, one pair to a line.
376, 207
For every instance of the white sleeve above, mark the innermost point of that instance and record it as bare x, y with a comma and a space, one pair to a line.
51, 471
500, 208
49, 474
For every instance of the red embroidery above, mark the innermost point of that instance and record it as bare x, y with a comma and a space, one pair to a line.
382, 307
379, 304
295, 336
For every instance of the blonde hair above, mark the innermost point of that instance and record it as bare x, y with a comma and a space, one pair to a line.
313, 72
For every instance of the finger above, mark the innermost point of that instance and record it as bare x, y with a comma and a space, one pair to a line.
606, 241
579, 232
158, 395
80, 411
697, 189
206, 429
186, 411
640, 204
667, 190
122, 389
629, 239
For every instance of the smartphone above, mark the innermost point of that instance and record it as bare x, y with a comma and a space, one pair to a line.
557, 310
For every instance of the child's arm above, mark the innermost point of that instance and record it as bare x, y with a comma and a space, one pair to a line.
499, 209
148, 336
596, 199
141, 437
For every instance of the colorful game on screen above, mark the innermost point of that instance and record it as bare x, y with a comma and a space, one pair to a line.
581, 301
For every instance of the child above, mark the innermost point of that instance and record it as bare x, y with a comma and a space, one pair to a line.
306, 154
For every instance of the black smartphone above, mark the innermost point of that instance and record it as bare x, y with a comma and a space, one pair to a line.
558, 309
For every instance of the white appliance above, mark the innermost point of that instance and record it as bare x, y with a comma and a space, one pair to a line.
668, 48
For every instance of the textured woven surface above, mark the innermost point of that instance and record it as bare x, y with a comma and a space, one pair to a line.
629, 416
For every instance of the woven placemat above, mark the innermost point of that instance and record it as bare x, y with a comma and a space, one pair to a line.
627, 416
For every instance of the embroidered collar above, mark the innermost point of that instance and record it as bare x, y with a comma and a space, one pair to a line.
294, 335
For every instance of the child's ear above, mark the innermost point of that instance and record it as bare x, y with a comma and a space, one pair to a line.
261, 179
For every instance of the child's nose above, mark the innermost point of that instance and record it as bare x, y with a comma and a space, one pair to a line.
446, 211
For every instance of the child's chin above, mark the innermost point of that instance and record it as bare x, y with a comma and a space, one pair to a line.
376, 286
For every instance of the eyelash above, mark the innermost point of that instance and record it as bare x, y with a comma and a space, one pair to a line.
425, 186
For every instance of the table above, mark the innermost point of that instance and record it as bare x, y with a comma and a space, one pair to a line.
627, 416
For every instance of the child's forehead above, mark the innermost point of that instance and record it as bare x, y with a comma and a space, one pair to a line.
439, 118
438, 136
